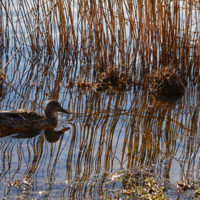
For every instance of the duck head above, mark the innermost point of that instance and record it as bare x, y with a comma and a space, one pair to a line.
53, 106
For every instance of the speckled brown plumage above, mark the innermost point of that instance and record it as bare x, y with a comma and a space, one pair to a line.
27, 119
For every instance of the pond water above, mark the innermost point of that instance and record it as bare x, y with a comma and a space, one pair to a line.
107, 134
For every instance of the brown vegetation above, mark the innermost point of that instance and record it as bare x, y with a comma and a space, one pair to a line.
114, 78
166, 82
3, 84
143, 36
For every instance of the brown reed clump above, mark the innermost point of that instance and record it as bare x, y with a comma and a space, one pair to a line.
115, 76
70, 84
166, 82
82, 85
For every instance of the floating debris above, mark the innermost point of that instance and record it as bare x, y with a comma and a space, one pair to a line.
184, 185
115, 76
151, 189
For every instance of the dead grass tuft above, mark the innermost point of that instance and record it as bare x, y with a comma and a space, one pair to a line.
166, 82
115, 76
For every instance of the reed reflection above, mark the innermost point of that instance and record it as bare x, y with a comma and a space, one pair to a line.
110, 132
143, 136
25, 156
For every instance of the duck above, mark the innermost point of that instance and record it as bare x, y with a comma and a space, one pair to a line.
24, 119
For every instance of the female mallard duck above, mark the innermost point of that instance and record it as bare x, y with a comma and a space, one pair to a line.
28, 119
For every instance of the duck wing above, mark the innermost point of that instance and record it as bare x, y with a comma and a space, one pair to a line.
20, 114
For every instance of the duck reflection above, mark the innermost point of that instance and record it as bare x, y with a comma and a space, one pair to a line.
51, 135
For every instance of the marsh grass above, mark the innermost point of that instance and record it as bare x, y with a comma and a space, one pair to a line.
143, 35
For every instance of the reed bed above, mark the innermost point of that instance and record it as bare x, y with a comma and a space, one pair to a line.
88, 37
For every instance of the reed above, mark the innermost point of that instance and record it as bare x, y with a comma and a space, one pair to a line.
142, 35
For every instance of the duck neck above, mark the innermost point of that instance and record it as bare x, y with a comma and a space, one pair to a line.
49, 114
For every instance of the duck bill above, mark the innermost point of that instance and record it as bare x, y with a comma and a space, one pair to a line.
64, 111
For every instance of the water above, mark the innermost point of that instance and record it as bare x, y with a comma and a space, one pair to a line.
107, 133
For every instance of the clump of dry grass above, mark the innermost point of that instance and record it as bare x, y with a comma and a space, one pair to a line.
166, 82
81, 84
115, 76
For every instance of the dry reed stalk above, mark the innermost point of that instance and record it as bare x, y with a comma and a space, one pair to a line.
47, 35
157, 35
112, 29
62, 29
121, 31
72, 23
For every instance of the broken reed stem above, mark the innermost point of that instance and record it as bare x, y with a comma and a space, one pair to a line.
29, 35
